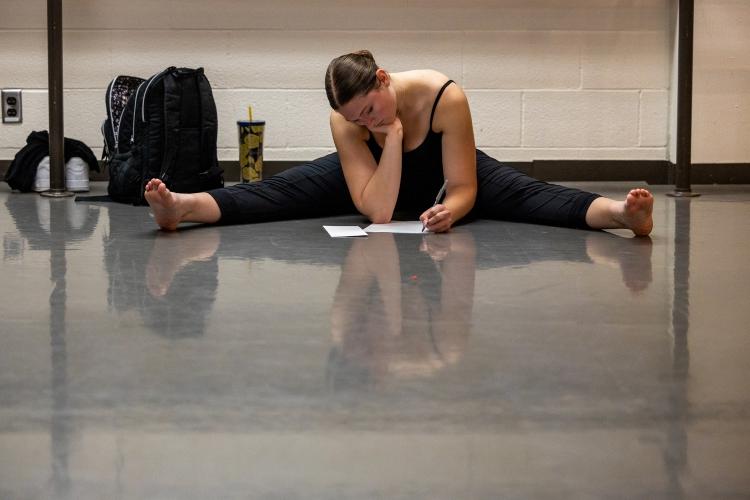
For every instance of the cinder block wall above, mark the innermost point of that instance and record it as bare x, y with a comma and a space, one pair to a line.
721, 82
585, 79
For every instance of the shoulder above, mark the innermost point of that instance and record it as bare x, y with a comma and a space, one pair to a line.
453, 94
425, 85
426, 77
452, 108
430, 82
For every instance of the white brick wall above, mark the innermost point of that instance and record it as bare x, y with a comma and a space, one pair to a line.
721, 85
546, 79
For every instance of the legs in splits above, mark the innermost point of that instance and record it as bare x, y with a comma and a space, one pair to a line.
318, 189
314, 189
505, 193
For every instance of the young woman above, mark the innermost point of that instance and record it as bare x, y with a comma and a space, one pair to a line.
399, 137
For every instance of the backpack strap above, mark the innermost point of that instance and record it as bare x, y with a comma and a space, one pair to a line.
172, 108
209, 127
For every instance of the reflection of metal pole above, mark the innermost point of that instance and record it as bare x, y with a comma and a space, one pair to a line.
681, 299
684, 99
55, 83
60, 426
675, 454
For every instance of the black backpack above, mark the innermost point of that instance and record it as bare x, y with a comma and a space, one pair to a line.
164, 127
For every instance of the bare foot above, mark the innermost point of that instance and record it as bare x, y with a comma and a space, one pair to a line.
165, 204
636, 212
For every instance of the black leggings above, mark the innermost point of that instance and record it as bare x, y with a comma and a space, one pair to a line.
318, 189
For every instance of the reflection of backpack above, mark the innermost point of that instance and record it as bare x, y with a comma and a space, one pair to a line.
164, 127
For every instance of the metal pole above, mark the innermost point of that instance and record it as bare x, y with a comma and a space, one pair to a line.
55, 79
684, 99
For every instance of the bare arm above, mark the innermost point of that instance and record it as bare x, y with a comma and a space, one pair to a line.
452, 315
453, 119
373, 186
370, 260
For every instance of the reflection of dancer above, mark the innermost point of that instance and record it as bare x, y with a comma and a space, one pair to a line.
528, 245
398, 136
388, 321
172, 253
633, 256
161, 285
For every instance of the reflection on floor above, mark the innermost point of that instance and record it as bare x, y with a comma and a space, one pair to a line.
502, 360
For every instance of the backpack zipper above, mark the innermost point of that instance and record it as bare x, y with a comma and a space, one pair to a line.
145, 92
163, 175
105, 150
135, 112
109, 112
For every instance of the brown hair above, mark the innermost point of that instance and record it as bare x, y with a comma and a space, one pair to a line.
349, 76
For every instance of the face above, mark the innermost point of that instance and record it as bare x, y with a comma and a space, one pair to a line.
376, 108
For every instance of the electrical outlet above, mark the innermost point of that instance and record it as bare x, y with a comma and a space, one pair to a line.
12, 110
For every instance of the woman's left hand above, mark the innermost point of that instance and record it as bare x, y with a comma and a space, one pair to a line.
437, 219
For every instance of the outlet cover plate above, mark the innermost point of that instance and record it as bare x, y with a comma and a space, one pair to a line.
12, 108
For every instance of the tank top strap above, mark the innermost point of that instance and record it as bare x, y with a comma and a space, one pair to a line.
434, 106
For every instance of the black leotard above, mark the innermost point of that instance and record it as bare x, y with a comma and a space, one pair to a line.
421, 168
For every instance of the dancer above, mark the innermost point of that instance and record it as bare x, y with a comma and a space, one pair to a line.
398, 137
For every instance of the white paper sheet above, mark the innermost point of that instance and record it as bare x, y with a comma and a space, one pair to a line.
344, 231
410, 227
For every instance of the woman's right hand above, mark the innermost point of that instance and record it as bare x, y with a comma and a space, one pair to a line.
393, 129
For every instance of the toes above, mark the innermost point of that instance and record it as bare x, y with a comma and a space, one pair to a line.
639, 193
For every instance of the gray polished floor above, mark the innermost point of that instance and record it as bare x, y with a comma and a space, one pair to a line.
270, 361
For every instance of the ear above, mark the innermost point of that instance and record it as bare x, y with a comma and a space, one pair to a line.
383, 77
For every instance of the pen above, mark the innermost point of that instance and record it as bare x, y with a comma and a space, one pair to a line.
437, 199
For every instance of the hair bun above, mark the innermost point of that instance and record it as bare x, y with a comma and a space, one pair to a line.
364, 53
